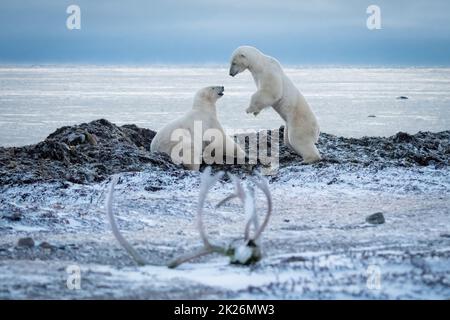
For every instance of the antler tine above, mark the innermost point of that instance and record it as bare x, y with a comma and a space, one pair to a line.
228, 198
239, 190
115, 229
250, 209
202, 252
207, 181
264, 187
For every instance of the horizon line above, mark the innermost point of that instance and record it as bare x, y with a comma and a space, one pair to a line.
209, 65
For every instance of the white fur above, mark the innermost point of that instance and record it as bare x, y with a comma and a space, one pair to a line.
204, 110
275, 89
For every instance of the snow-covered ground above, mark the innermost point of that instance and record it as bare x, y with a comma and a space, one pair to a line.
318, 243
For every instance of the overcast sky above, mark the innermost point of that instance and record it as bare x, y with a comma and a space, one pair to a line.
329, 32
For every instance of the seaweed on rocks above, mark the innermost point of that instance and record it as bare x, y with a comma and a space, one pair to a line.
85, 153
91, 152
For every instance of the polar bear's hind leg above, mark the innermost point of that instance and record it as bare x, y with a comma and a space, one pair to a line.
304, 147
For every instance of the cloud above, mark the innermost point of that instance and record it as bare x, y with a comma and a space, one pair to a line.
321, 31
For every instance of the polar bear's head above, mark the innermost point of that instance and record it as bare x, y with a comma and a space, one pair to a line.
242, 59
209, 94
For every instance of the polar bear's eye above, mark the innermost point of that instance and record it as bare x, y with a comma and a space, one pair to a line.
242, 55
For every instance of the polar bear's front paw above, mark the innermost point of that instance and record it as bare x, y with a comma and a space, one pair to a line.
254, 110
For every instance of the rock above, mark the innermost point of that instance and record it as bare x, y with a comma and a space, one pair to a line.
26, 242
371, 116
294, 259
402, 98
152, 188
76, 138
91, 138
403, 137
15, 216
46, 245
332, 181
376, 218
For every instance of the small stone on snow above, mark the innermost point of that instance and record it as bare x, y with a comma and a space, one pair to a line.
376, 218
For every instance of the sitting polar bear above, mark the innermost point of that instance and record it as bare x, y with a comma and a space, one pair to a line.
184, 139
275, 89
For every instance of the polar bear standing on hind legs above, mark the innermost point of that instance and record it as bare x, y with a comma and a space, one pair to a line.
275, 89
179, 136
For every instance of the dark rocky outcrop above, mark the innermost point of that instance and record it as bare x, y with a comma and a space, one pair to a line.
84, 153
401, 150
90, 152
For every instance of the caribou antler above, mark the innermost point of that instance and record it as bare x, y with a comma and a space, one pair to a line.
238, 192
250, 210
247, 252
115, 229
248, 200
264, 187
206, 183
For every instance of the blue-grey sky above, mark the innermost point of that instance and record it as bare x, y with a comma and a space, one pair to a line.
326, 32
